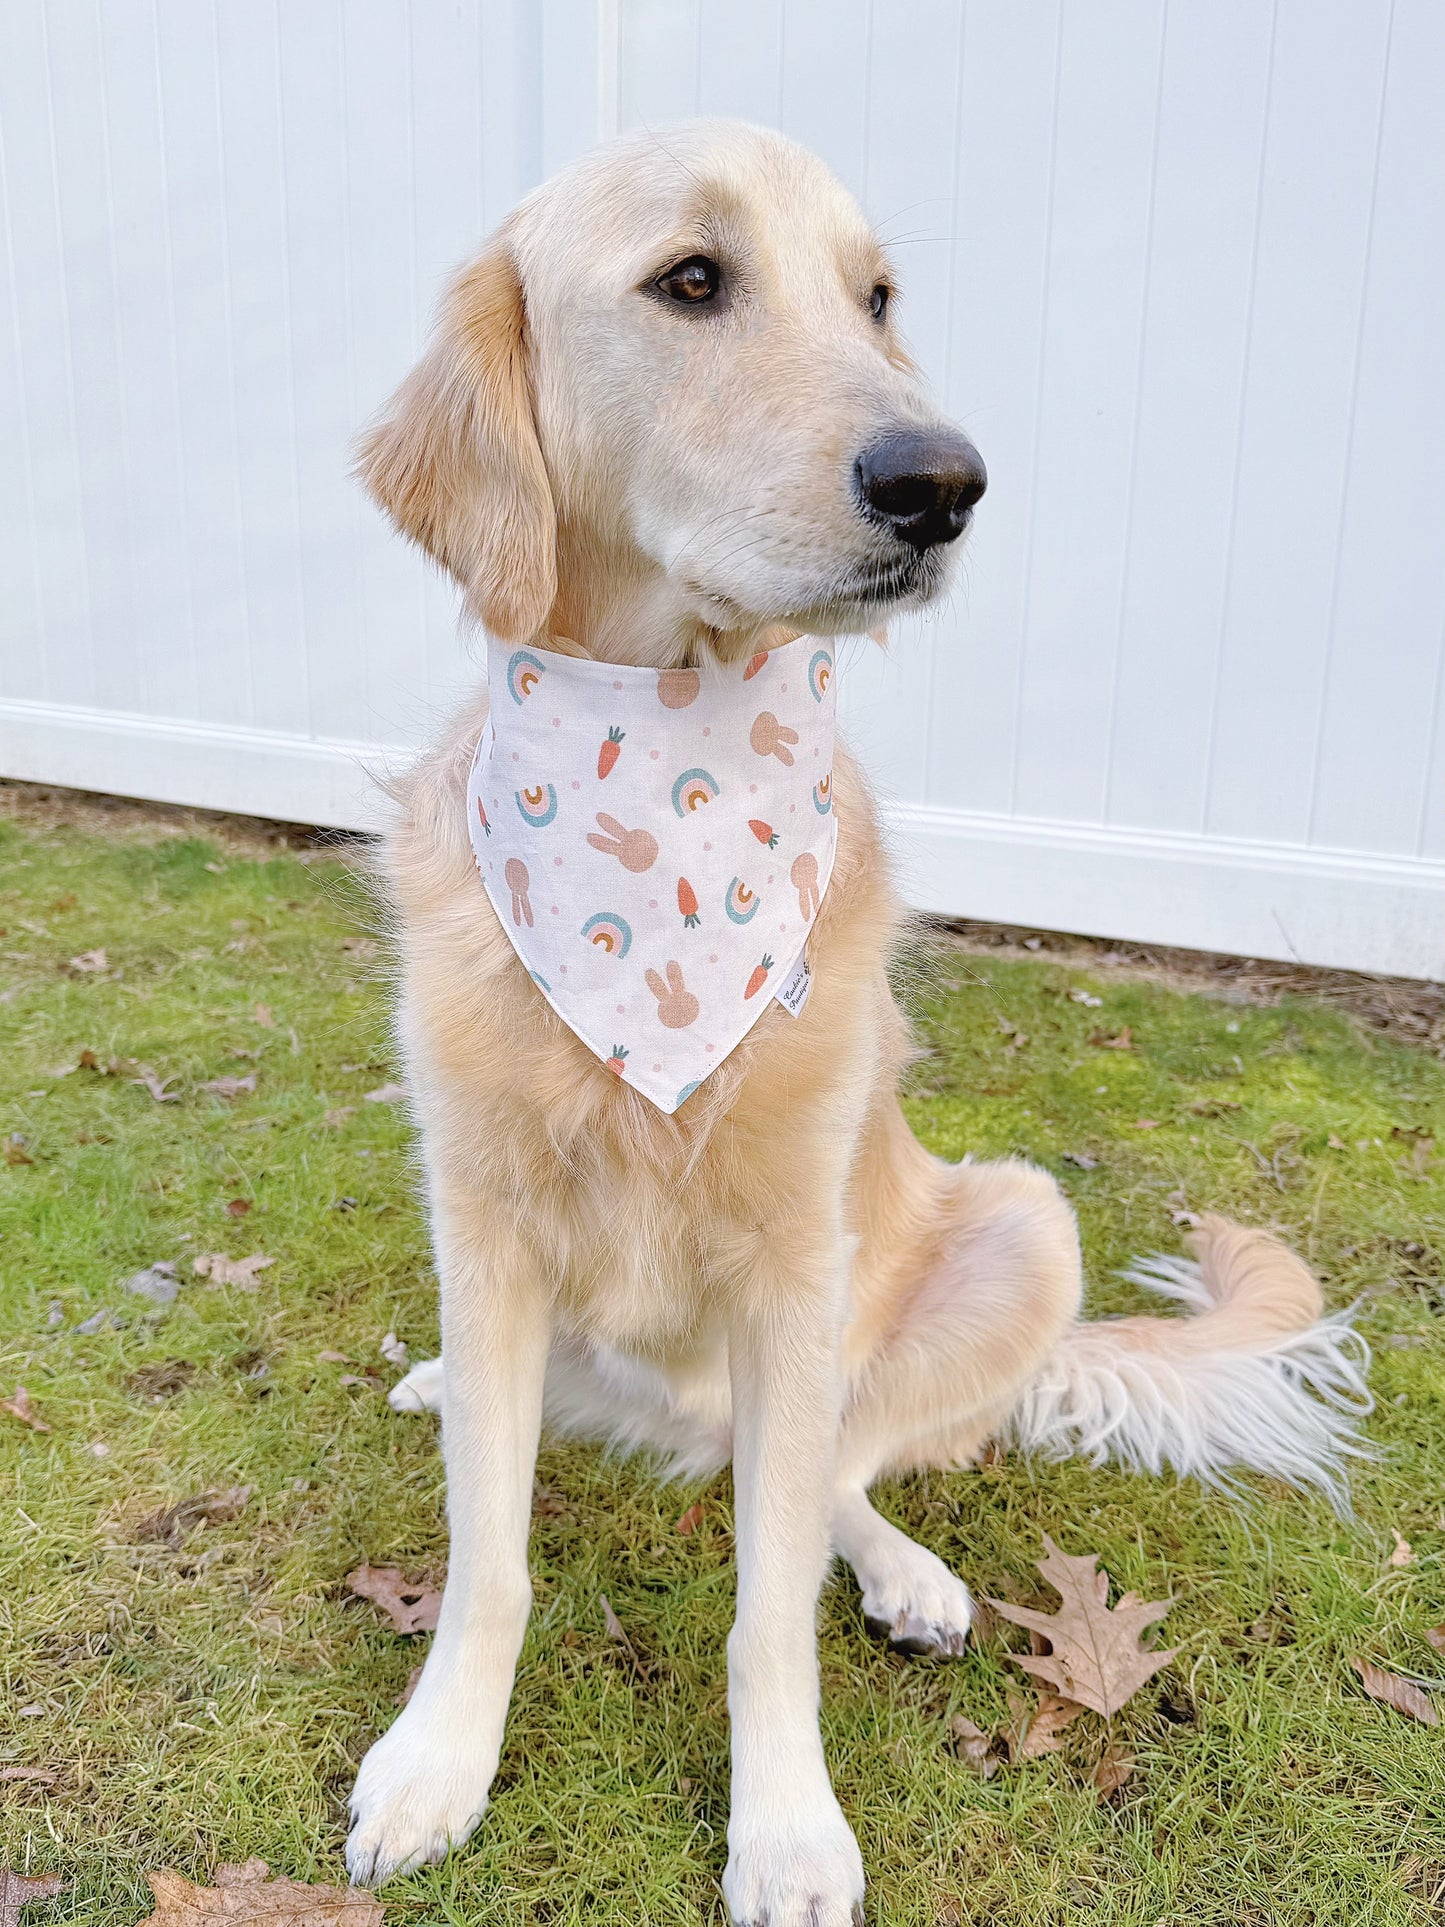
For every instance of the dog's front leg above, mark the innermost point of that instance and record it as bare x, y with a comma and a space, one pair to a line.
792, 1860
423, 1786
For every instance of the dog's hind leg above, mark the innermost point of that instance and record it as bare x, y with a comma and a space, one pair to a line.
1003, 1284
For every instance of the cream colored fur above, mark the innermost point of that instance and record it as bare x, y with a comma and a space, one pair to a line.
779, 1274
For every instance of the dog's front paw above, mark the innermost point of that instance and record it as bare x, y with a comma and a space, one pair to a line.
420, 1792
794, 1869
911, 1599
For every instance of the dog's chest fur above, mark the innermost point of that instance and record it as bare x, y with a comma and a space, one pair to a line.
643, 1224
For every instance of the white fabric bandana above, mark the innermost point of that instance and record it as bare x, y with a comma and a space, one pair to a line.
657, 844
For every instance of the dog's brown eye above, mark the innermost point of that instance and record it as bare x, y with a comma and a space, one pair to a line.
878, 301
691, 282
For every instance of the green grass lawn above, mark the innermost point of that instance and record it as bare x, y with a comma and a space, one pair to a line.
207, 1700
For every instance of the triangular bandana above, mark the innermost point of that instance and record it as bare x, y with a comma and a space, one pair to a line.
657, 844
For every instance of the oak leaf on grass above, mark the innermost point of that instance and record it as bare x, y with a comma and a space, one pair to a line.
1403, 1694
410, 1604
17, 1890
19, 1406
1098, 1657
222, 1270
249, 1896
1034, 1731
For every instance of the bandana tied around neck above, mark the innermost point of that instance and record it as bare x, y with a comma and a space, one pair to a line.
657, 843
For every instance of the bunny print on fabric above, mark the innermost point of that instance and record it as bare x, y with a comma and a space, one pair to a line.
657, 844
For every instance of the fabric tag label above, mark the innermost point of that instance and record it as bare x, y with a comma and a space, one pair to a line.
794, 993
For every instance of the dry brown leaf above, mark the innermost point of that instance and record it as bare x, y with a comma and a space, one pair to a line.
410, 1604
413, 1680
1404, 1553
90, 963
332, 1358
262, 1016
1034, 1731
1435, 1636
15, 1151
1097, 1656
17, 1890
974, 1748
386, 1094
247, 1896
335, 1118
1402, 1694
174, 1523
158, 1086
690, 1520
617, 1633
1146, 1124
238, 1207
1122, 1040
222, 1270
1115, 1767
41, 1775
229, 1087
20, 1407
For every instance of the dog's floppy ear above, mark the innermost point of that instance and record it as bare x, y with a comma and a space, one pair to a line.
455, 459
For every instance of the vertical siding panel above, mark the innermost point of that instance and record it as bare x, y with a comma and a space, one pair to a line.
42, 326
216, 649
379, 219
163, 678
1390, 558
658, 61
1312, 249
910, 79
260, 323
23, 628
1107, 101
1191, 376
312, 127
74, 92
738, 60
1001, 244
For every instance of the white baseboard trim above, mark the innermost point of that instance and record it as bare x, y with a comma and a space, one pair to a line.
1353, 910
253, 772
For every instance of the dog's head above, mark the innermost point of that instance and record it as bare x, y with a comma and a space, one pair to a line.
676, 366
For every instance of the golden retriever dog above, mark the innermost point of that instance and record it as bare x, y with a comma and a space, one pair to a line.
666, 420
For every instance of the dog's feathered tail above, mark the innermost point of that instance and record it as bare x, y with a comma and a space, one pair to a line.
1254, 1377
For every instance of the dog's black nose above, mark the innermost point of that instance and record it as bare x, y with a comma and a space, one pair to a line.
923, 487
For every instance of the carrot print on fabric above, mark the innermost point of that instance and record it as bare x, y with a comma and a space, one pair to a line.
657, 844
610, 751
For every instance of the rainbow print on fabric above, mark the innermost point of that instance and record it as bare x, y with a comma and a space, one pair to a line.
524, 672
692, 789
537, 806
820, 674
740, 902
823, 794
610, 933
